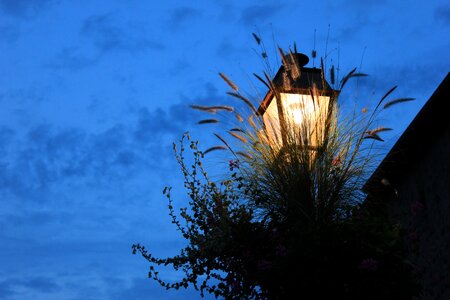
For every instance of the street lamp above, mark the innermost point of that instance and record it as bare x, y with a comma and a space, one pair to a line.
299, 105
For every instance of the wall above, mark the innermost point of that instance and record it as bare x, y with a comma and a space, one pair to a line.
422, 205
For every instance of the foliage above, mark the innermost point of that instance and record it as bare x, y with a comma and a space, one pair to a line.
287, 222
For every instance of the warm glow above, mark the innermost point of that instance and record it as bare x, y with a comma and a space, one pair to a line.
302, 112
297, 107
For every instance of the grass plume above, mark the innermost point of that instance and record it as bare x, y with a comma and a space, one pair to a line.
208, 121
399, 100
212, 109
214, 148
229, 82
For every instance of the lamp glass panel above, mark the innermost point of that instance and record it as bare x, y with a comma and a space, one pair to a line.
305, 117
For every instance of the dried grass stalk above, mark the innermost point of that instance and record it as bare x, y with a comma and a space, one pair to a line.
262, 80
385, 96
208, 121
257, 38
239, 117
379, 129
229, 82
212, 109
214, 149
238, 136
245, 155
222, 140
245, 100
399, 100
373, 136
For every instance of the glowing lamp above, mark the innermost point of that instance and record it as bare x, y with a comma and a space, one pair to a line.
299, 105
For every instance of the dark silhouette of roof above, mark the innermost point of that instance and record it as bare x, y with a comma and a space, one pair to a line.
427, 126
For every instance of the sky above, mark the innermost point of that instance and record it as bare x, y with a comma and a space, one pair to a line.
93, 93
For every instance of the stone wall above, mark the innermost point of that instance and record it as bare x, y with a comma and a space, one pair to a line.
422, 205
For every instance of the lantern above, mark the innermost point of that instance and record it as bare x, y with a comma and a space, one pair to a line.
299, 105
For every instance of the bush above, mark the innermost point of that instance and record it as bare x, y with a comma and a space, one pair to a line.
287, 221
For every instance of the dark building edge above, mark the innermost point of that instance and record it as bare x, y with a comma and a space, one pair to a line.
417, 139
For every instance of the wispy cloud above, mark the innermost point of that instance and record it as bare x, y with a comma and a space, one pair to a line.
180, 66
24, 8
228, 48
257, 14
107, 35
354, 29
9, 33
101, 35
181, 16
357, 4
72, 58
26, 95
12, 287
49, 156
141, 288
442, 13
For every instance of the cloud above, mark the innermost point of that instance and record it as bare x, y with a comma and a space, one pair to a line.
107, 35
351, 31
25, 95
41, 284
181, 16
227, 11
24, 8
7, 288
358, 4
180, 66
47, 156
143, 288
228, 47
72, 58
442, 13
6, 136
12, 286
9, 34
257, 14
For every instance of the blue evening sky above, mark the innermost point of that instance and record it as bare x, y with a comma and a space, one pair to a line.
92, 94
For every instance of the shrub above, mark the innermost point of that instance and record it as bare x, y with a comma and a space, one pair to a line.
287, 221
